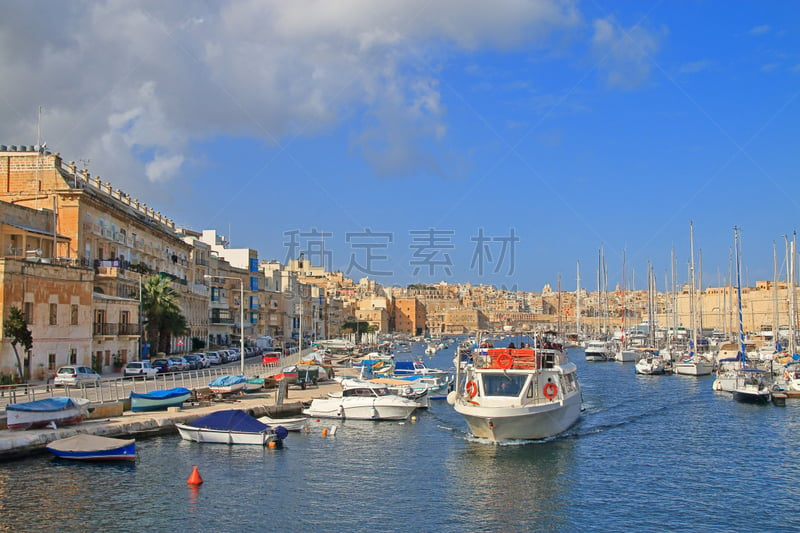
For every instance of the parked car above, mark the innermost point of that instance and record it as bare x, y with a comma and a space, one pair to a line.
214, 358
203, 360
178, 363
75, 375
234, 355
270, 358
139, 368
162, 365
194, 361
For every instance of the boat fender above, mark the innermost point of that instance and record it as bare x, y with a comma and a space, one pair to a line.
451, 397
472, 389
550, 390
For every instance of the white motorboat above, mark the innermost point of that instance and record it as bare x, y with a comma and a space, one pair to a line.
696, 365
232, 426
650, 363
599, 350
752, 386
361, 400
507, 393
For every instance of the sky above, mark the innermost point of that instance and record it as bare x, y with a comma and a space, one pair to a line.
420, 141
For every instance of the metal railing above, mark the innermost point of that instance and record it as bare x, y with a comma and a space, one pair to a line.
116, 389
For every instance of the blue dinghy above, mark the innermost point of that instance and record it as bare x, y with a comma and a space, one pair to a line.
159, 400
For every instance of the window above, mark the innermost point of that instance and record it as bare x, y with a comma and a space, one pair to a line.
73, 356
214, 294
53, 314
124, 317
51, 361
28, 312
73, 315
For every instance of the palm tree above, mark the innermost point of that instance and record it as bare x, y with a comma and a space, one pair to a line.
16, 328
160, 312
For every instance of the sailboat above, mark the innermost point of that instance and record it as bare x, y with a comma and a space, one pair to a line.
625, 354
696, 364
751, 383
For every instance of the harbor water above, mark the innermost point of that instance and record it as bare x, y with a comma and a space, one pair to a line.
650, 453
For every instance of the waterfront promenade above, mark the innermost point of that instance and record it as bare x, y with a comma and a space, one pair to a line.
110, 419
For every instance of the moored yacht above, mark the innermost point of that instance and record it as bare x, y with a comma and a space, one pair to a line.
508, 393
599, 350
361, 400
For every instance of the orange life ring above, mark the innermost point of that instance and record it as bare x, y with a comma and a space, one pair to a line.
505, 361
550, 390
472, 389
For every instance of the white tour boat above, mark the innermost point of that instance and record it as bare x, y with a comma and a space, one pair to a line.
508, 393
362, 400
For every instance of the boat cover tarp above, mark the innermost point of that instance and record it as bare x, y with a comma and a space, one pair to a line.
57, 403
162, 394
230, 420
226, 381
88, 443
404, 365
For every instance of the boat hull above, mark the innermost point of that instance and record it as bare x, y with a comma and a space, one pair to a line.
693, 369
216, 436
93, 448
521, 423
384, 408
149, 402
19, 419
746, 396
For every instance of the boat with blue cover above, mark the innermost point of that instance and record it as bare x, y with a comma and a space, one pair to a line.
58, 410
159, 400
227, 384
231, 426
83, 447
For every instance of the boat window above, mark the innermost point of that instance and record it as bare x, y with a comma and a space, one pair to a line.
503, 385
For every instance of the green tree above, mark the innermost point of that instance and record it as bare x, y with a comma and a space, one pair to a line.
16, 328
160, 312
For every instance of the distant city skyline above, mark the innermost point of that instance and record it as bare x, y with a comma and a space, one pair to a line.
456, 141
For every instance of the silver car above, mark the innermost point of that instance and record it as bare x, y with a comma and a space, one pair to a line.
75, 375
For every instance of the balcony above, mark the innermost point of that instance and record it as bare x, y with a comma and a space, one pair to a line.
104, 329
220, 321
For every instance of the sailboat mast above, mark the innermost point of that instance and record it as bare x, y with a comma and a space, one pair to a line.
775, 294
691, 289
792, 302
578, 303
737, 247
624, 311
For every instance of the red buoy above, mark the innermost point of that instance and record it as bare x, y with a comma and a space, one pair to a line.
195, 478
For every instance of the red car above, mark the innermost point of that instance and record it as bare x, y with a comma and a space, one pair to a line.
271, 358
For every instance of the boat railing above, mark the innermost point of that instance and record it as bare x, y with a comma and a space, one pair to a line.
519, 358
117, 389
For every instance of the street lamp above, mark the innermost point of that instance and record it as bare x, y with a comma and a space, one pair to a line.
241, 312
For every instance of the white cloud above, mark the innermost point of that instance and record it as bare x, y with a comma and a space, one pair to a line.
130, 85
760, 30
624, 54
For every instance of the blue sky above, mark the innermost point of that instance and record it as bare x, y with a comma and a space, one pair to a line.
497, 143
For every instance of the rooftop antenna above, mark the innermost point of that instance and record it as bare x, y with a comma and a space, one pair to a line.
38, 156
85, 163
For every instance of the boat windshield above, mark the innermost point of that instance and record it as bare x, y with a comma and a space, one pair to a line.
503, 385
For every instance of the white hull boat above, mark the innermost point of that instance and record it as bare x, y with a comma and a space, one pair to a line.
509, 394
232, 426
47, 412
695, 366
360, 400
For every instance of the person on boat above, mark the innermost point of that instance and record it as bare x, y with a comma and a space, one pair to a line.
511, 345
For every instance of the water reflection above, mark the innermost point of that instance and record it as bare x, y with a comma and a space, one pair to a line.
514, 486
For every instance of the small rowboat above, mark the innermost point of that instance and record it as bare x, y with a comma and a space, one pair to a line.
291, 424
254, 385
159, 400
227, 384
40, 413
93, 448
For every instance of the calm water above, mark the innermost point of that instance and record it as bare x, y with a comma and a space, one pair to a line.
651, 453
